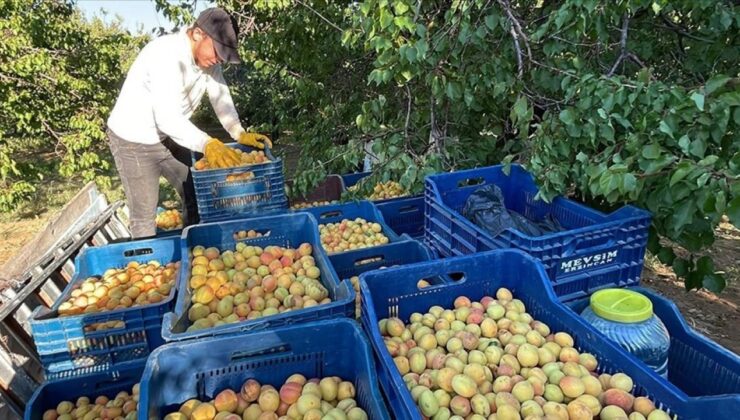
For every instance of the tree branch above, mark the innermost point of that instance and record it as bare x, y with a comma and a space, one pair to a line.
519, 64
622, 44
56, 135
514, 21
408, 113
547, 66
673, 26
434, 134
516, 34
634, 58
332, 24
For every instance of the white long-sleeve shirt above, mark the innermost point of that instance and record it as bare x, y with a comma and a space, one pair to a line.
162, 90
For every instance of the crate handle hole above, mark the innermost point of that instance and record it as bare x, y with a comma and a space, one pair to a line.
107, 326
241, 355
240, 176
368, 260
408, 209
456, 276
137, 251
469, 182
328, 214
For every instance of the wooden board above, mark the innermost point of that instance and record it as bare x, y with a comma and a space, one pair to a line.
84, 208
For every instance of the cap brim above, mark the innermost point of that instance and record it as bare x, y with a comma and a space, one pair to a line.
227, 54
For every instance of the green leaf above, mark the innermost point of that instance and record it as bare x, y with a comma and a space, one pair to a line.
491, 21
680, 191
714, 282
405, 22
682, 169
666, 255
698, 99
385, 18
715, 83
720, 203
682, 214
411, 54
421, 49
520, 109
454, 91
684, 142
665, 128
702, 180
651, 151
733, 211
709, 160
653, 244
629, 183
705, 265
400, 7
680, 267
698, 148
693, 281
567, 116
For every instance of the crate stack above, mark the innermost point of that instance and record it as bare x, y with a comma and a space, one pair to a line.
433, 255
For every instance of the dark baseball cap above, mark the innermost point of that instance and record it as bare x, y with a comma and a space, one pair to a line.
223, 29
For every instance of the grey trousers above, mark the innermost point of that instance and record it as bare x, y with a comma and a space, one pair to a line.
140, 166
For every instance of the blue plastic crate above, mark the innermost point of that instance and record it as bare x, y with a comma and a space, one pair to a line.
354, 263
219, 199
287, 230
337, 212
330, 189
697, 366
590, 239
91, 384
62, 342
352, 179
393, 293
202, 368
404, 215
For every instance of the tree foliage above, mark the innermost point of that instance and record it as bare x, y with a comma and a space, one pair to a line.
59, 77
616, 102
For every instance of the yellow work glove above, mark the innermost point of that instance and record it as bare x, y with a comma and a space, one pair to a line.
254, 140
220, 156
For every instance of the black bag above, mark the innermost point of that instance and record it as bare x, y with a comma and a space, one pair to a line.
486, 209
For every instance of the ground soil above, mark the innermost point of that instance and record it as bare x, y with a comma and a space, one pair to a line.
716, 316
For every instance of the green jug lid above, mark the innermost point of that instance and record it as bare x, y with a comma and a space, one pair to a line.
621, 305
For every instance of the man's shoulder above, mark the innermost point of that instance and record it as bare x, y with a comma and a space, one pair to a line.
165, 46
166, 41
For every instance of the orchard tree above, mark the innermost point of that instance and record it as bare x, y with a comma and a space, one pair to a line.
59, 77
613, 102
